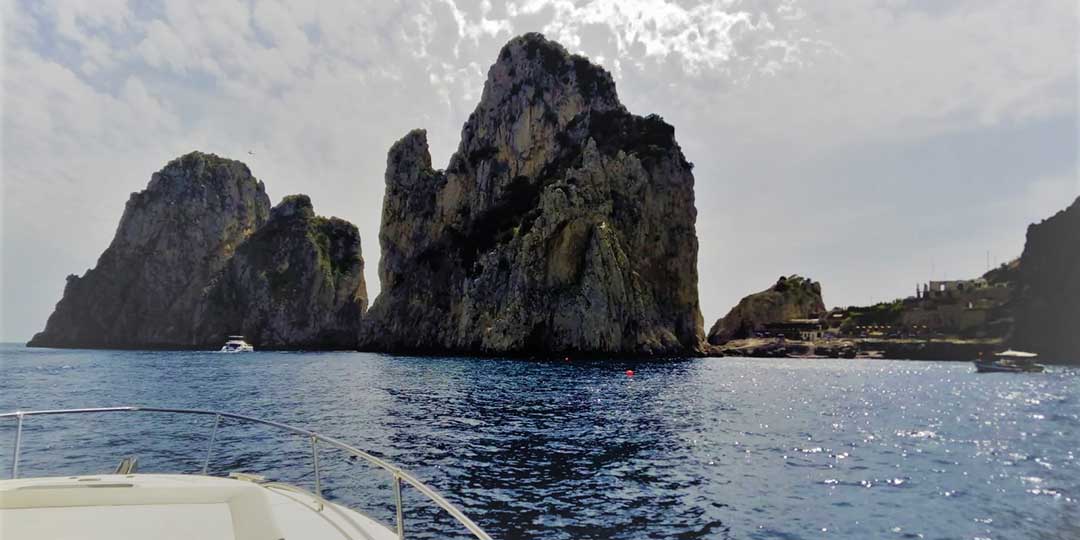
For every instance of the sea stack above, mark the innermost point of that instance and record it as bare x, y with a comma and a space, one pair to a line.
792, 297
199, 255
297, 282
173, 238
563, 224
1047, 302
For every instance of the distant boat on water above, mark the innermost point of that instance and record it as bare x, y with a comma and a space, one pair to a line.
1009, 361
236, 344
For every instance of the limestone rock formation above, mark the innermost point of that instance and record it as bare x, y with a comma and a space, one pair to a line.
792, 297
563, 224
199, 255
297, 282
173, 238
1047, 303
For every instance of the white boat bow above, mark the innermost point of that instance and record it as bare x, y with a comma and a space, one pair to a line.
175, 506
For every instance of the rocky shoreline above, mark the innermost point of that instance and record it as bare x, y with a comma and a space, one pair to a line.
886, 349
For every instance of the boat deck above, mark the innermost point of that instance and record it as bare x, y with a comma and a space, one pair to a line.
173, 507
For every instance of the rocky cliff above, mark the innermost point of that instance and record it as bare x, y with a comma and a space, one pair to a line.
297, 282
173, 238
199, 254
563, 224
1047, 304
792, 297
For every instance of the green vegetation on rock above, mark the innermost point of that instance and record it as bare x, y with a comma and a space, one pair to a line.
297, 282
791, 297
562, 225
199, 254
173, 239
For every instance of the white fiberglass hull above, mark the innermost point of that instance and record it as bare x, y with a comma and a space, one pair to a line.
167, 507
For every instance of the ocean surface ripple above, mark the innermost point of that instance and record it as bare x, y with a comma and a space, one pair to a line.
697, 448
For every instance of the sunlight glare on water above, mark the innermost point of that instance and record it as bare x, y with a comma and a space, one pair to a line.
698, 448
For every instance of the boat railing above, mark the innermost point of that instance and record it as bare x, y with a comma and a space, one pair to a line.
398, 475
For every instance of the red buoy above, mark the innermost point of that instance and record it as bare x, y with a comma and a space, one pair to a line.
629, 373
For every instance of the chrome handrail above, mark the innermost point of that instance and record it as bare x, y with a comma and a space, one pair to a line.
398, 474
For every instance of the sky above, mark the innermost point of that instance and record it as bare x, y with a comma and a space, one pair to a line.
867, 144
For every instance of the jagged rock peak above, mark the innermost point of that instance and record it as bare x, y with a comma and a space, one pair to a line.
408, 158
194, 168
562, 223
296, 282
545, 68
199, 254
293, 206
173, 237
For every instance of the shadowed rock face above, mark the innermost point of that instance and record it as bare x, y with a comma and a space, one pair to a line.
791, 297
173, 237
1047, 303
200, 255
296, 282
563, 224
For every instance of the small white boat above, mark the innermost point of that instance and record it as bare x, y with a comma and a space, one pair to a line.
128, 505
237, 344
1009, 361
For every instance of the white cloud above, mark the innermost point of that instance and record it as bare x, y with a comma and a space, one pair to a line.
474, 30
779, 104
701, 37
162, 48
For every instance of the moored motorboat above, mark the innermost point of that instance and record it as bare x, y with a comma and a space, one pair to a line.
236, 344
1009, 361
243, 506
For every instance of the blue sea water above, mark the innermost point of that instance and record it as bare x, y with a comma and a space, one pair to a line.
697, 448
